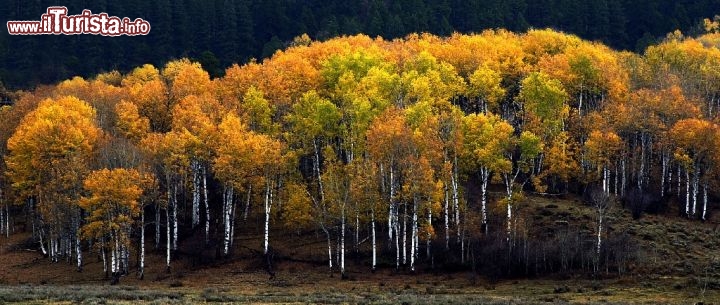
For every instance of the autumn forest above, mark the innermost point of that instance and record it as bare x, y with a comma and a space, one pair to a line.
406, 154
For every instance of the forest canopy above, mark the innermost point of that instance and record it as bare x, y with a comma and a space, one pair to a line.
423, 143
218, 33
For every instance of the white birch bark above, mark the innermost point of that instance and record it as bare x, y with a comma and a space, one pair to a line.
484, 176
195, 172
696, 179
226, 218
342, 241
174, 219
168, 238
447, 219
142, 244
687, 192
404, 235
705, 200
374, 246
207, 205
268, 206
413, 245
78, 246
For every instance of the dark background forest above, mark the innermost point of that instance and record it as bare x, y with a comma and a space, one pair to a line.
220, 32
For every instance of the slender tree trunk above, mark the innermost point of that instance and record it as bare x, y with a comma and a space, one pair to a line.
447, 219
485, 175
114, 256
195, 172
705, 200
615, 187
42, 243
662, 176
429, 236
605, 179
687, 192
233, 208
157, 225
404, 235
227, 201
247, 203
7, 221
317, 171
696, 180
174, 219
599, 237
357, 232
207, 205
622, 183
456, 199
102, 254
396, 223
78, 245
342, 241
268, 206
329, 245
392, 213
142, 244
679, 181
374, 246
168, 229
414, 236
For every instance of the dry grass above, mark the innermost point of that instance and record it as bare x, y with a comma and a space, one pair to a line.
679, 269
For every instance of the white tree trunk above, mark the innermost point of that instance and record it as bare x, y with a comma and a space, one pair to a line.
447, 219
696, 179
456, 200
705, 199
195, 172
622, 183
605, 179
114, 255
317, 171
247, 203
687, 192
268, 206
404, 235
233, 208
2, 220
342, 241
374, 246
227, 201
329, 244
102, 254
142, 243
485, 175
662, 176
78, 245
357, 232
413, 246
599, 237
174, 219
207, 205
392, 213
508, 188
429, 236
168, 229
396, 224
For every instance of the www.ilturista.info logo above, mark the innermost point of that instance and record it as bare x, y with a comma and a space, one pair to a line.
56, 21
